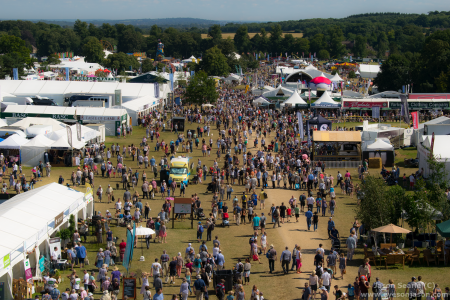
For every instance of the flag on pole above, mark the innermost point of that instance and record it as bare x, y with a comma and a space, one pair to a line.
376, 112
171, 81
405, 110
415, 119
300, 124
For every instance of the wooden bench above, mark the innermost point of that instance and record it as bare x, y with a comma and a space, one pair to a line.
394, 259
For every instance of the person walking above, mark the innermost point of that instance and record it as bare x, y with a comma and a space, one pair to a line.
351, 245
342, 265
308, 216
272, 256
285, 259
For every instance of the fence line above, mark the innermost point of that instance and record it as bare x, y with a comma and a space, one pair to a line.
341, 164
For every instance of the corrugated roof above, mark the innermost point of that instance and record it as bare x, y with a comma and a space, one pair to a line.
337, 136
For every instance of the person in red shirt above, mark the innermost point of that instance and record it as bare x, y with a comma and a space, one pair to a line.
122, 247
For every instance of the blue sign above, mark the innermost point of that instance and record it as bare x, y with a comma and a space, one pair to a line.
15, 74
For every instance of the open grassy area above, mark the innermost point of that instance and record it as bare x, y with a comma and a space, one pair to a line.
234, 240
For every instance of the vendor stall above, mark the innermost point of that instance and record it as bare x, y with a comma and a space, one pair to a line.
33, 152
10, 147
29, 220
318, 123
336, 146
382, 149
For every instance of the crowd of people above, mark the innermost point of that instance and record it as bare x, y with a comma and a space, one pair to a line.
253, 149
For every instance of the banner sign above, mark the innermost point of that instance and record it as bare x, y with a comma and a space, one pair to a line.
5, 262
28, 273
69, 135
67, 74
128, 256
415, 118
78, 131
376, 112
15, 74
58, 220
300, 124
405, 109
118, 97
156, 85
364, 104
421, 105
99, 118
42, 264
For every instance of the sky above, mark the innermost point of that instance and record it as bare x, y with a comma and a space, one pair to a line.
234, 10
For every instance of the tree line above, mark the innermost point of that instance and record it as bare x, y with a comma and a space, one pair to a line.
377, 35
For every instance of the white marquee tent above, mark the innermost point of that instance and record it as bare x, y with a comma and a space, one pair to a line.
260, 100
380, 145
440, 152
336, 78
325, 101
293, 100
279, 92
369, 71
260, 91
33, 151
15, 141
27, 221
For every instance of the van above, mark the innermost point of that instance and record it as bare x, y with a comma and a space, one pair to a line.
180, 171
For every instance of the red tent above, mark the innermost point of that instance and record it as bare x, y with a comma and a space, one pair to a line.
320, 79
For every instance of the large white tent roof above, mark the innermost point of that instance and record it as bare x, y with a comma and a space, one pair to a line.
15, 141
39, 141
63, 144
30, 121
49, 87
293, 100
369, 71
28, 217
140, 103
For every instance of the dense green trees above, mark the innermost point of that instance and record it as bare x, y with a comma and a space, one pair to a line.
201, 89
428, 70
121, 61
93, 50
214, 62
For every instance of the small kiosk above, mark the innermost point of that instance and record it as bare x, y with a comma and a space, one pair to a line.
336, 146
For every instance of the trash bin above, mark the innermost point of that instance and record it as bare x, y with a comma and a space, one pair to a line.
224, 274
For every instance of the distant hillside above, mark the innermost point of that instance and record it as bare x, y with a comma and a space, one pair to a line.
144, 23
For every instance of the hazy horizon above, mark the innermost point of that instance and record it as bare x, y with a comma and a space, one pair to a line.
231, 10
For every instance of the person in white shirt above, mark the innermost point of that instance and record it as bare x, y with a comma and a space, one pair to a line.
156, 269
326, 279
321, 250
54, 256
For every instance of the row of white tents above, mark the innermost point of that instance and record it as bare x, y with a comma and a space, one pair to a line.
325, 101
32, 151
